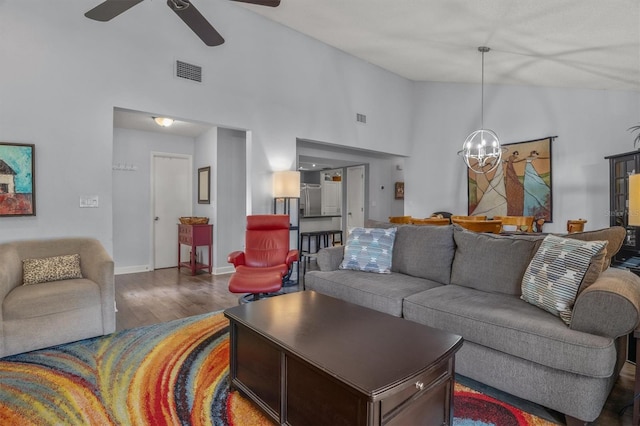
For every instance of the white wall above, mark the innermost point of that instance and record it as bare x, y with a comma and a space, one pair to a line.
132, 210
63, 74
590, 124
231, 204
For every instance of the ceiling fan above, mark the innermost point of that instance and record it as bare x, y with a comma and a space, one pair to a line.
109, 9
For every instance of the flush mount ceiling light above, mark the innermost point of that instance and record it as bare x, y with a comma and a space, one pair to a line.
163, 121
481, 150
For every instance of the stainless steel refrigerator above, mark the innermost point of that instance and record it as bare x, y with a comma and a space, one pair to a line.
310, 199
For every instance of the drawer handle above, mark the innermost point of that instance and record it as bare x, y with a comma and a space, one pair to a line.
419, 385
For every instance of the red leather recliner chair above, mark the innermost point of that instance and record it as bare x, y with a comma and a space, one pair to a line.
267, 259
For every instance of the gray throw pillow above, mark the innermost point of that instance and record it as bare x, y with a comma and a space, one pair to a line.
614, 236
492, 263
424, 252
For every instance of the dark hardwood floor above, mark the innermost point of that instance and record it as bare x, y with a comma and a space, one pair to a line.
166, 294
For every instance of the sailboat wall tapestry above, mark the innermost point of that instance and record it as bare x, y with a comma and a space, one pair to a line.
17, 180
519, 186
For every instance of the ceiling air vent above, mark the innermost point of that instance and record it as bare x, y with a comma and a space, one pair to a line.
361, 118
189, 71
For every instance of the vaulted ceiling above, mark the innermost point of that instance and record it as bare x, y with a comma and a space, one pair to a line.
591, 44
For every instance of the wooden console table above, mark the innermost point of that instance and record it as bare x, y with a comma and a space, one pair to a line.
194, 236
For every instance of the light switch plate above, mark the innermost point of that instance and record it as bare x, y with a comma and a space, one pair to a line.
90, 201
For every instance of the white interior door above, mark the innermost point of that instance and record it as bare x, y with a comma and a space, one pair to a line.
172, 198
355, 196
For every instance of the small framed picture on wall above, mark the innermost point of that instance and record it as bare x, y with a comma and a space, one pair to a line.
399, 192
204, 182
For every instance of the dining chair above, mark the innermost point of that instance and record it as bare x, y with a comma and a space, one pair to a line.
458, 217
490, 226
400, 219
521, 223
575, 225
434, 221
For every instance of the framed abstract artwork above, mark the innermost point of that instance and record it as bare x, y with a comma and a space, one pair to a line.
17, 179
519, 186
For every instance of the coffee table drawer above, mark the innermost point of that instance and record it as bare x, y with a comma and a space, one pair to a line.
423, 397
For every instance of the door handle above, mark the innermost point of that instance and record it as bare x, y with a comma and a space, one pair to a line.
156, 218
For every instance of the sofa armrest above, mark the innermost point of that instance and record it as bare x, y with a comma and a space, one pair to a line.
97, 266
330, 258
10, 270
609, 307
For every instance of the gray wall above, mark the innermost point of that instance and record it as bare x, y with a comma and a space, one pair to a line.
60, 83
231, 207
590, 124
132, 210
67, 74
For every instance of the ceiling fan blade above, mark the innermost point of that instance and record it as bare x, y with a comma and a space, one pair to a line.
271, 3
110, 9
198, 24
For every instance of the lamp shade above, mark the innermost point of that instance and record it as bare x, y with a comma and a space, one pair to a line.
286, 184
634, 200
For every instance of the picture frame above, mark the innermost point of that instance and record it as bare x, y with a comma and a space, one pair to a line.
520, 186
399, 191
17, 179
204, 185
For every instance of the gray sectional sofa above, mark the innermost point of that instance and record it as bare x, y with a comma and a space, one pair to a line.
470, 284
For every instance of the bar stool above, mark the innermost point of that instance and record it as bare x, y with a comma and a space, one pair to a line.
334, 233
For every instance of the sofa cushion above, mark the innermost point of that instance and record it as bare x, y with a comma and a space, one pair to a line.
490, 262
382, 292
424, 251
369, 250
553, 277
59, 296
46, 269
614, 236
511, 325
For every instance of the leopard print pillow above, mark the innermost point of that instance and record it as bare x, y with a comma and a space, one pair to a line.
51, 269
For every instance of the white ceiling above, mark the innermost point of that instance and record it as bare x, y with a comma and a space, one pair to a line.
559, 43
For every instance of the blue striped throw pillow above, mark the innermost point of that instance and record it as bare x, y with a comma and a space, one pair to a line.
554, 275
369, 249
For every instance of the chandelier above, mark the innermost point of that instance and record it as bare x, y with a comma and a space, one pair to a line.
481, 150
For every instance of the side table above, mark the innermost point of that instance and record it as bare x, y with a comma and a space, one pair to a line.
194, 236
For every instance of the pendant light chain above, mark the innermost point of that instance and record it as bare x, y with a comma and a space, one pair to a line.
482, 95
481, 150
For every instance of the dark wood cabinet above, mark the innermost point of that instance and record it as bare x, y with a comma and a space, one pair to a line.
620, 167
194, 236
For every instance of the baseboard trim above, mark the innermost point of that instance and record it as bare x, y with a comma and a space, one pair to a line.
131, 269
224, 270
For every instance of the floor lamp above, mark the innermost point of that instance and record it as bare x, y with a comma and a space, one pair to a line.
286, 192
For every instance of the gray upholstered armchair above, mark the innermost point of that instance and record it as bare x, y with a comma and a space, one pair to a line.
57, 311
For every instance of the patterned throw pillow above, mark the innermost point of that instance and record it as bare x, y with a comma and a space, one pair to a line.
553, 277
369, 250
47, 269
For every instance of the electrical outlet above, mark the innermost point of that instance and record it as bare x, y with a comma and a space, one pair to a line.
90, 201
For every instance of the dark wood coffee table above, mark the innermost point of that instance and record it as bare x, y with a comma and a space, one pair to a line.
310, 359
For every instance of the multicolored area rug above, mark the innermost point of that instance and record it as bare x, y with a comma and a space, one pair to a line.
173, 373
